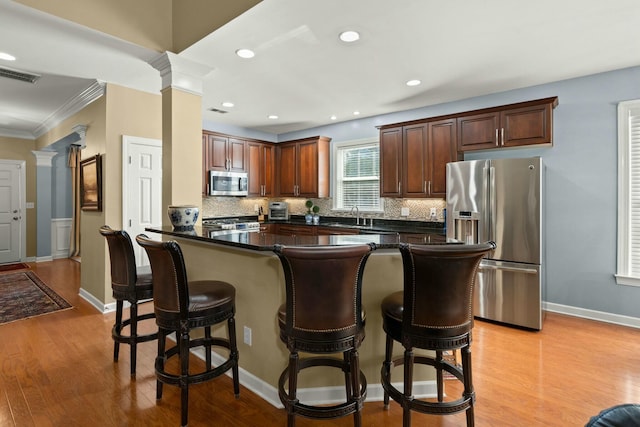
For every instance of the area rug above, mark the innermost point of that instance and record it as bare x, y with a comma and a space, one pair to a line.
23, 295
12, 267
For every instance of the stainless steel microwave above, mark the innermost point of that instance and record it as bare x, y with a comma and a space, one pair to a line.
228, 183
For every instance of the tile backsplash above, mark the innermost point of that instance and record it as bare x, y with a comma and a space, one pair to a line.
419, 209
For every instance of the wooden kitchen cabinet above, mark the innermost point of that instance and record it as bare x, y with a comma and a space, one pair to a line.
391, 162
224, 153
260, 168
514, 125
303, 167
443, 141
413, 158
332, 231
295, 230
268, 228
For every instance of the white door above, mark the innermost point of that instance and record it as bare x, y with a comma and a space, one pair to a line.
141, 188
12, 218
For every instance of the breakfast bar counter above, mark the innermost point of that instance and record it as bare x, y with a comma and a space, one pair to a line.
261, 241
245, 259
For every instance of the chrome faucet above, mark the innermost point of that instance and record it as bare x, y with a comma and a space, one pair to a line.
357, 214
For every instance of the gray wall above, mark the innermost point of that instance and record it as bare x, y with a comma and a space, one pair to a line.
61, 203
581, 181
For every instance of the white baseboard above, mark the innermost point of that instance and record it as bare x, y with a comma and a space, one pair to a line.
99, 305
315, 395
601, 316
44, 258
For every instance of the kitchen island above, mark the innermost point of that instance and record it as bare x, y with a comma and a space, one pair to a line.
245, 259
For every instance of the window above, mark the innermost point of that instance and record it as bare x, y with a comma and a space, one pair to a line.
357, 175
629, 193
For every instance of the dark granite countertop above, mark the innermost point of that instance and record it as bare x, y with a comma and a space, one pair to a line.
261, 241
379, 225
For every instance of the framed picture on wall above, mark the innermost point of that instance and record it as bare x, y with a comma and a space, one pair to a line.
91, 184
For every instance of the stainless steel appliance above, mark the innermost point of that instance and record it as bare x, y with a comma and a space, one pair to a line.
228, 183
278, 211
220, 227
501, 200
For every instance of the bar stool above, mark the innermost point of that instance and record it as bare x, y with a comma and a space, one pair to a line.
181, 305
323, 315
127, 285
434, 312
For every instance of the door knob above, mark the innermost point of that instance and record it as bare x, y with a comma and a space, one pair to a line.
15, 218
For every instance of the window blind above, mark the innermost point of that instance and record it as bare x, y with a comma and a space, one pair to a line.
634, 192
358, 177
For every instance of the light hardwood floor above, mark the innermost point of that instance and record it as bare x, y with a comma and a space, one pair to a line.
57, 370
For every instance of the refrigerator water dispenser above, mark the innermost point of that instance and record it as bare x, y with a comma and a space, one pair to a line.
465, 225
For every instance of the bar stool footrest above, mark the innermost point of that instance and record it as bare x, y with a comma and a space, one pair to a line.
294, 406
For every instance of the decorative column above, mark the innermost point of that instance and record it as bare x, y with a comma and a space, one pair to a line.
181, 130
43, 203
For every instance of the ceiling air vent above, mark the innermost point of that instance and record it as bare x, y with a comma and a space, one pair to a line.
18, 75
216, 110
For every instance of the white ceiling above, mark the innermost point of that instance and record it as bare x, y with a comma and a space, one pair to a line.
304, 74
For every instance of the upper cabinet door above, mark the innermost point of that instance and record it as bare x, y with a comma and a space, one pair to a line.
259, 161
287, 162
268, 159
526, 126
308, 169
442, 150
391, 162
479, 131
254, 168
236, 154
414, 164
218, 159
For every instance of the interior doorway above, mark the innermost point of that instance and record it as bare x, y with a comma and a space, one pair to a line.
141, 188
13, 216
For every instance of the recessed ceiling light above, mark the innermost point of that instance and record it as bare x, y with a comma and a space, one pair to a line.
245, 53
349, 36
7, 57
273, 117
227, 104
413, 82
333, 117
356, 113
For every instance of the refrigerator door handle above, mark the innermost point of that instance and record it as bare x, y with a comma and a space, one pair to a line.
492, 203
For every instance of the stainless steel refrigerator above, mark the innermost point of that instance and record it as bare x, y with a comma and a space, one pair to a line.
501, 200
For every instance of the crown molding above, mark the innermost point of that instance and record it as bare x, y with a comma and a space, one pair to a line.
180, 73
75, 104
12, 133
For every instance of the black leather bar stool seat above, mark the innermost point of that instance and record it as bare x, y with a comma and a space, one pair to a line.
434, 312
127, 284
180, 306
323, 315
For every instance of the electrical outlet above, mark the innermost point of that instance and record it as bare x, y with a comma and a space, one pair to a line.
247, 336
404, 211
256, 208
433, 212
